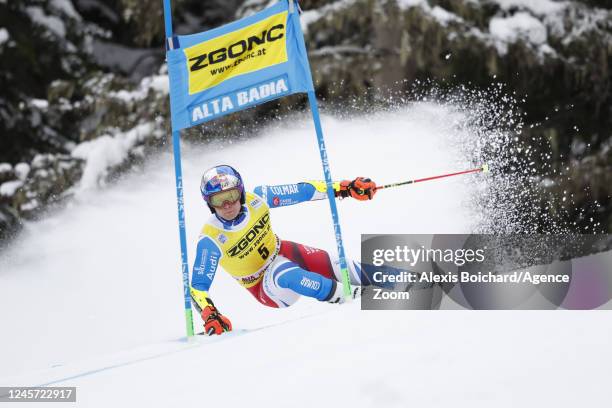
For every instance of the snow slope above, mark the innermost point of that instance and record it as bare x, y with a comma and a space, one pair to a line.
91, 296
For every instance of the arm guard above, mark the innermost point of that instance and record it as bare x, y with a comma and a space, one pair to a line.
200, 299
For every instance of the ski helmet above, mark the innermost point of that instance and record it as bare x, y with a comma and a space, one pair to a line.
220, 178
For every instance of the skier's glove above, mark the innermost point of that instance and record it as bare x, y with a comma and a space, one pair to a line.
215, 322
361, 189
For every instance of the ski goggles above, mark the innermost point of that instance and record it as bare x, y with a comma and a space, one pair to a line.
230, 196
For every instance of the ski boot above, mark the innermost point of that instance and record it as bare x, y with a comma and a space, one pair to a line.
336, 295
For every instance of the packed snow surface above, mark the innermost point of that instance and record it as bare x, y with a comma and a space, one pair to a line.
92, 294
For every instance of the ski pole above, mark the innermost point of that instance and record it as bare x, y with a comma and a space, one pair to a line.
484, 168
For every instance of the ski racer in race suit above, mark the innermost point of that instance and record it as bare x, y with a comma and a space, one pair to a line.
239, 238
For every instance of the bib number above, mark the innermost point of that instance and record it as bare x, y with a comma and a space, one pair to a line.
263, 251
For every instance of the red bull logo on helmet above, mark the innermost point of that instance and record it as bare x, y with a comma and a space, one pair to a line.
214, 181
223, 181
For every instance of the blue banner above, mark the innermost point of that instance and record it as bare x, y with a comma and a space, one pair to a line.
247, 62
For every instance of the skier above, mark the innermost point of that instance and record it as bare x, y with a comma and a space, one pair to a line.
239, 238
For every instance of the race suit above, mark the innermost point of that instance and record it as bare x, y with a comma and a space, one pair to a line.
274, 271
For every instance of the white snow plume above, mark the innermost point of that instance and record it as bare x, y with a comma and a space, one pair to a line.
487, 125
92, 294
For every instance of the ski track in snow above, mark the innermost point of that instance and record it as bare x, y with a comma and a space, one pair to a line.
95, 289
